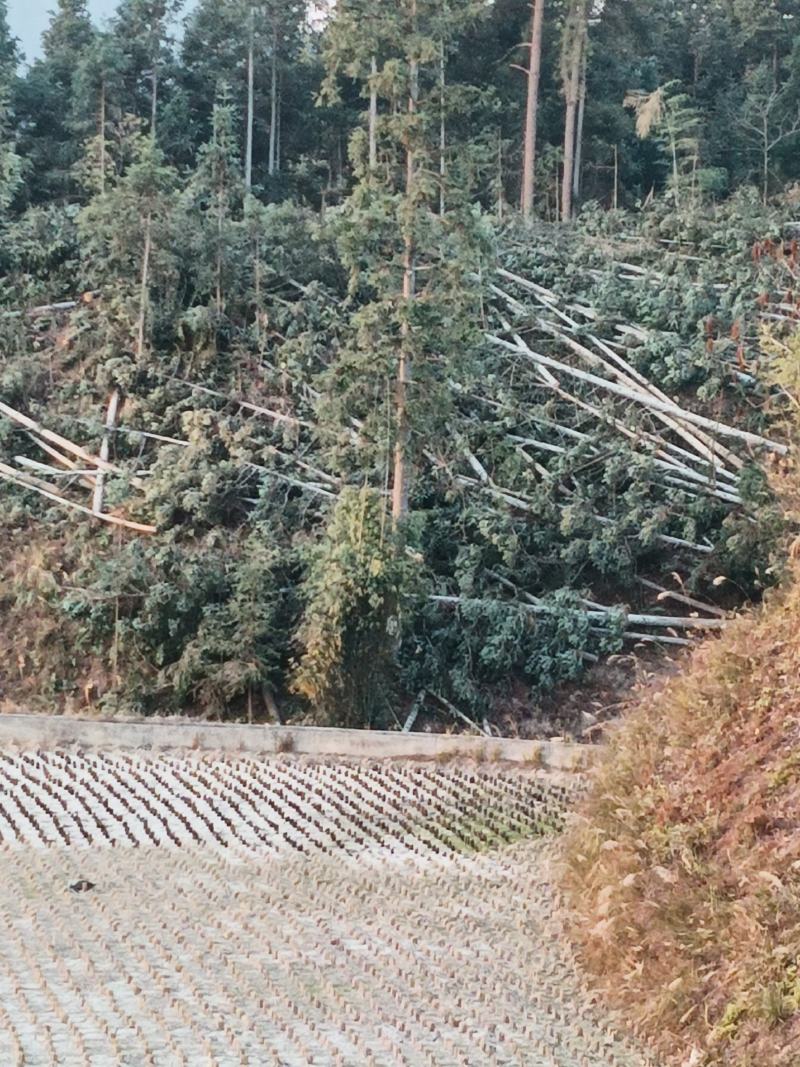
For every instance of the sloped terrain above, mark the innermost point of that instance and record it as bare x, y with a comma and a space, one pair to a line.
241, 911
686, 873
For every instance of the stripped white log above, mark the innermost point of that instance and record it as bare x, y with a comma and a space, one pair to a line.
649, 402
84, 477
277, 416
706, 446
682, 598
105, 450
57, 439
546, 296
477, 466
10, 475
311, 487
709, 448
522, 504
691, 436
656, 621
662, 458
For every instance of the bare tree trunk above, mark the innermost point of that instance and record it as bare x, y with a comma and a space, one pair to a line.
145, 286
576, 176
616, 177
405, 366
103, 136
248, 166
569, 161
154, 102
220, 220
105, 451
257, 273
765, 190
273, 121
532, 108
571, 63
373, 115
442, 133
279, 119
156, 30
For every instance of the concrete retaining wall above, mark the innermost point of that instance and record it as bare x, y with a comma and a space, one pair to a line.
38, 731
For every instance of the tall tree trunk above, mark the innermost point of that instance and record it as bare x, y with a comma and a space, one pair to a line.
273, 97
373, 115
154, 42
145, 287
220, 242
405, 362
257, 282
576, 173
248, 166
532, 108
442, 132
279, 120
573, 59
765, 189
103, 136
154, 101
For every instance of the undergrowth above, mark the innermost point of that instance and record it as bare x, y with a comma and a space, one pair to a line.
685, 870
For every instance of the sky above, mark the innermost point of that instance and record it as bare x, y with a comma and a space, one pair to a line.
29, 17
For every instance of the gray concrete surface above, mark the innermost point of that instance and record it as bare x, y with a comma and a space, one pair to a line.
251, 911
160, 734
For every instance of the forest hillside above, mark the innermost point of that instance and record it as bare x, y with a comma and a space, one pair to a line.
394, 365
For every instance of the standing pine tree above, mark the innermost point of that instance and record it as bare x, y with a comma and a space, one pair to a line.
143, 29
215, 198
50, 114
10, 162
128, 234
411, 266
414, 306
98, 89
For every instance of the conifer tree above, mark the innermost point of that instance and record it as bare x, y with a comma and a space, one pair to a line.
408, 267
98, 89
216, 195
49, 113
11, 167
143, 27
532, 107
128, 245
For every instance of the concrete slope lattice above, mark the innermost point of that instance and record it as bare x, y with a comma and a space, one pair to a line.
220, 910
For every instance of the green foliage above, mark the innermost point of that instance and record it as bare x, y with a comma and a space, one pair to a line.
257, 336
353, 593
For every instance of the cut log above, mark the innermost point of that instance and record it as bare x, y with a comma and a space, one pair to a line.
10, 475
57, 439
656, 621
644, 399
682, 598
105, 450
84, 477
277, 416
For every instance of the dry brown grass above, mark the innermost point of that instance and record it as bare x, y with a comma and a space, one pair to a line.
685, 872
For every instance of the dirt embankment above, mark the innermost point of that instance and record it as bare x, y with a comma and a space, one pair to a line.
686, 872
